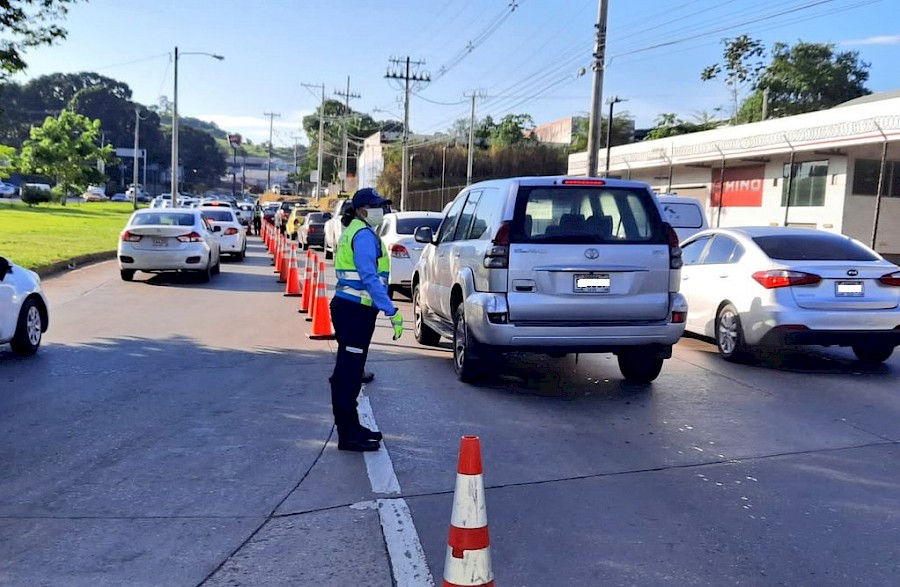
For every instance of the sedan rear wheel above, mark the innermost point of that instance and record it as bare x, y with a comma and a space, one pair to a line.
27, 339
873, 354
729, 334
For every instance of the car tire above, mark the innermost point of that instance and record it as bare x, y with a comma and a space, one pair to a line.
423, 333
240, 256
468, 357
127, 274
872, 354
730, 334
638, 366
204, 275
328, 253
29, 329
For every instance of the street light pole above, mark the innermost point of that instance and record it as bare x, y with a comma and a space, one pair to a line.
174, 182
609, 123
137, 131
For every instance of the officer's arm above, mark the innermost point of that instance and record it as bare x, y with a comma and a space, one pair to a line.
365, 256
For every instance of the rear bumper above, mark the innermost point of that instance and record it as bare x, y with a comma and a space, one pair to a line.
482, 310
780, 336
188, 259
317, 239
231, 244
798, 326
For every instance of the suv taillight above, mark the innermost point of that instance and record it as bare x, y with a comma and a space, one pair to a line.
782, 278
675, 261
497, 255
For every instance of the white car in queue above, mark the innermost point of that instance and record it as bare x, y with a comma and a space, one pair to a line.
156, 240
24, 314
776, 286
396, 232
232, 235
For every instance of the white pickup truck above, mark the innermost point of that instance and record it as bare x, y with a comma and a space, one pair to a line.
334, 227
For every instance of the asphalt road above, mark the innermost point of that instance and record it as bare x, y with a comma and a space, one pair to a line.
177, 433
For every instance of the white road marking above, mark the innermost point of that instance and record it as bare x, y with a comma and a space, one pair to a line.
408, 563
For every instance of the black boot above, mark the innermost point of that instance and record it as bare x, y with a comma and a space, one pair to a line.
369, 434
368, 377
358, 444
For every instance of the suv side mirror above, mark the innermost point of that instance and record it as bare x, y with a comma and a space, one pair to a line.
424, 235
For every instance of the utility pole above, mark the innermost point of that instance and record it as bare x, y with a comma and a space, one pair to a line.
471, 164
597, 94
407, 76
296, 166
271, 116
609, 124
346, 122
320, 138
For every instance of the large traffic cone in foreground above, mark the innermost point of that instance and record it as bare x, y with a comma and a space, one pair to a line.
468, 561
308, 283
290, 250
314, 290
292, 288
322, 329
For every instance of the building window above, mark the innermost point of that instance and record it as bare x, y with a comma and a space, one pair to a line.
865, 178
808, 186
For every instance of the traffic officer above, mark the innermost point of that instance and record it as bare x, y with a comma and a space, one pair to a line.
257, 218
362, 265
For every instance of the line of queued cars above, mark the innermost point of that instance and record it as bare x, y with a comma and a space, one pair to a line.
560, 265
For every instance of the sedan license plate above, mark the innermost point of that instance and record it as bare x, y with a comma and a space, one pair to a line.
849, 289
160, 242
592, 283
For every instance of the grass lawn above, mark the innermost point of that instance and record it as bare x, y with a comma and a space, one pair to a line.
47, 233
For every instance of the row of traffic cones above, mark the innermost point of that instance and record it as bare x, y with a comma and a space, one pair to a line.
468, 560
312, 289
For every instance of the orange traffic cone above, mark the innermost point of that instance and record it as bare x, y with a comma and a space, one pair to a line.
264, 233
279, 252
468, 561
292, 289
285, 268
308, 283
322, 329
314, 290
270, 244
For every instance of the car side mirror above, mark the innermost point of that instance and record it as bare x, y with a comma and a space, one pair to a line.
217, 229
5, 268
424, 235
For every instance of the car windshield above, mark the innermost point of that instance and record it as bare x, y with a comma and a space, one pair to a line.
813, 247
409, 225
218, 215
586, 215
163, 219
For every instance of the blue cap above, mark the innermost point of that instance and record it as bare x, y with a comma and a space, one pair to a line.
368, 197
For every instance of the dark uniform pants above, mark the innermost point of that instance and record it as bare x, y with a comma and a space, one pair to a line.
354, 325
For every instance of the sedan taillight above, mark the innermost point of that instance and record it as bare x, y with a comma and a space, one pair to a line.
783, 278
130, 237
230, 231
399, 252
191, 237
892, 279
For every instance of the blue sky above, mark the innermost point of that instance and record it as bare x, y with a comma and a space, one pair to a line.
525, 60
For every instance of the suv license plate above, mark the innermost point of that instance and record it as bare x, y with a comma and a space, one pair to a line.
849, 289
592, 283
160, 242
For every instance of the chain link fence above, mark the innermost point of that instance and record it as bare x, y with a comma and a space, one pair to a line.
431, 200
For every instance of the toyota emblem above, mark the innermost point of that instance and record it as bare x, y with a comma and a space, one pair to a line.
852, 272
592, 253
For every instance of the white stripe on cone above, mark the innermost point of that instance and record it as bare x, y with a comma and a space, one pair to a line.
474, 568
468, 502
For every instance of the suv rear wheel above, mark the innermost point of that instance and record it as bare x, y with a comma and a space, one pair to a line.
467, 361
638, 366
424, 335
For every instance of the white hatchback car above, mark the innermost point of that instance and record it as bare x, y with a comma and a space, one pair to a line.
397, 233
232, 235
24, 314
772, 286
163, 239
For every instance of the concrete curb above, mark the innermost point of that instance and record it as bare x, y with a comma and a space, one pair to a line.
73, 263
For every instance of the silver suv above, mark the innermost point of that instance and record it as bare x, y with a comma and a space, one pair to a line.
553, 265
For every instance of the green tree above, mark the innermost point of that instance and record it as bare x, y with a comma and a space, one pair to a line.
670, 124
7, 161
811, 76
202, 160
512, 130
65, 148
742, 66
336, 115
622, 131
25, 24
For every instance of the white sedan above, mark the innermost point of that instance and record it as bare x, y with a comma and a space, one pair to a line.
397, 233
163, 239
232, 235
24, 315
775, 286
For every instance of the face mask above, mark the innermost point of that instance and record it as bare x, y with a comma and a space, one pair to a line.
374, 217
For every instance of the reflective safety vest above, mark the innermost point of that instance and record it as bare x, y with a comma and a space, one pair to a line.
349, 285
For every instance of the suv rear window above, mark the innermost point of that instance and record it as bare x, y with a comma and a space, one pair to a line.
682, 215
813, 247
219, 215
409, 225
586, 215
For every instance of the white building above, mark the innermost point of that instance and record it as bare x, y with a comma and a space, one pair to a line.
837, 155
